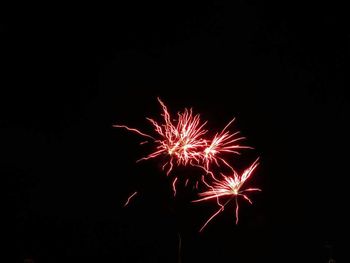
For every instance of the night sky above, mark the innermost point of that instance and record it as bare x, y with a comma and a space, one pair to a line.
70, 73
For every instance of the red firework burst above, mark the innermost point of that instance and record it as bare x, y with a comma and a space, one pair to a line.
223, 142
230, 187
180, 139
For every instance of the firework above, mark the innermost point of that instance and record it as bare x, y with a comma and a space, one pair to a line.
230, 188
223, 142
180, 139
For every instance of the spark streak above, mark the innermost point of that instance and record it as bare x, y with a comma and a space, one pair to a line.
129, 198
133, 130
174, 186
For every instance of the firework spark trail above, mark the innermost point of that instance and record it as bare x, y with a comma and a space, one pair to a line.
129, 198
134, 130
174, 185
229, 186
223, 142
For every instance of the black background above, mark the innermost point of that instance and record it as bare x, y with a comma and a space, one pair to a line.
70, 73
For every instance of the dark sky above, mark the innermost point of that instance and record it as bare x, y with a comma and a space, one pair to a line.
70, 73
